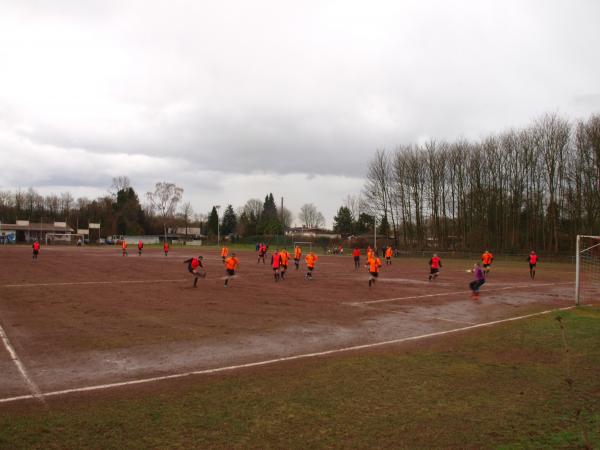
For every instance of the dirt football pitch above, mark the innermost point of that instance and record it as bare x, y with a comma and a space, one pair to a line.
89, 320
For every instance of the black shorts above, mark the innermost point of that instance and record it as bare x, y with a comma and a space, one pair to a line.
310, 269
374, 274
434, 271
261, 255
284, 266
191, 270
486, 266
35, 252
230, 272
531, 266
357, 258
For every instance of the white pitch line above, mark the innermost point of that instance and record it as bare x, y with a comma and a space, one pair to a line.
33, 388
441, 294
77, 283
278, 360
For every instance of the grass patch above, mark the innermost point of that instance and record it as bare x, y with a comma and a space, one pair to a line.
502, 387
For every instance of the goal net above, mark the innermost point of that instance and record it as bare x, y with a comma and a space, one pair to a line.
587, 269
64, 239
303, 245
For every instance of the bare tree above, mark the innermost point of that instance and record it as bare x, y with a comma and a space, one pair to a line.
164, 201
187, 213
310, 217
118, 184
253, 207
287, 217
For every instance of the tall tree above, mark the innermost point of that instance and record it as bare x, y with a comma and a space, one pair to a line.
229, 222
213, 221
164, 201
269, 222
310, 216
128, 212
342, 222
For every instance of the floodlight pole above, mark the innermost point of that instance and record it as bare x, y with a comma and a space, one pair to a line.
375, 232
577, 271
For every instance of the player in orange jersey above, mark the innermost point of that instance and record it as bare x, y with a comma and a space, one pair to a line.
285, 257
297, 256
166, 248
388, 256
486, 260
311, 260
231, 265
224, 253
124, 247
140, 247
532, 259
373, 265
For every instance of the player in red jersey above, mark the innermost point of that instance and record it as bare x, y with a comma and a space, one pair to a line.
532, 259
36, 250
196, 268
434, 265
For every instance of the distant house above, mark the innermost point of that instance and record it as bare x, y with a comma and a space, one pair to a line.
312, 233
25, 231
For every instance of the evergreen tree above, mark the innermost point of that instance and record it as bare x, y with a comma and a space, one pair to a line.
342, 223
269, 220
269, 207
364, 223
129, 215
384, 227
213, 221
229, 221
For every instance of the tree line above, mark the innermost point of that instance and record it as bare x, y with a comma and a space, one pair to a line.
530, 188
121, 212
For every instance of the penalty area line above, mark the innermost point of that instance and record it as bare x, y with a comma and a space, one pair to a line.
278, 360
442, 294
33, 388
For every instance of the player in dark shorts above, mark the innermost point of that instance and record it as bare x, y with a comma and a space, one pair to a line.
356, 256
140, 248
36, 250
276, 265
284, 256
532, 259
196, 268
434, 264
373, 265
262, 251
479, 280
231, 265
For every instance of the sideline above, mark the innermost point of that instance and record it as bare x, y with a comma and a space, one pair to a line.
277, 360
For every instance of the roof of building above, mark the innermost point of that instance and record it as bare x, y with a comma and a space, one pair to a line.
48, 227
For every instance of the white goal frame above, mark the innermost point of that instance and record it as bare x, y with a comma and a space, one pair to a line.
64, 239
578, 264
304, 243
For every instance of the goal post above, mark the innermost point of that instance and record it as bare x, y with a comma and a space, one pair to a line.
302, 244
64, 239
587, 268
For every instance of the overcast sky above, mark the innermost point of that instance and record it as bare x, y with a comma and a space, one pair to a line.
235, 99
